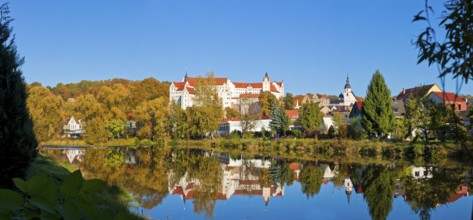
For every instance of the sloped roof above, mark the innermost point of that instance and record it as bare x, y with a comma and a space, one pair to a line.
179, 85
190, 90
217, 81
292, 113
359, 105
449, 97
418, 91
245, 85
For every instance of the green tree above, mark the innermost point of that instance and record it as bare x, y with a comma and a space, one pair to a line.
46, 110
288, 101
377, 113
17, 140
310, 118
311, 180
340, 125
116, 128
266, 99
178, 127
379, 184
280, 122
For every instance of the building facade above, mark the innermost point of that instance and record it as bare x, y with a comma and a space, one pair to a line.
229, 92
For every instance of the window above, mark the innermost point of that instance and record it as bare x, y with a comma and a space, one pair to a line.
459, 107
416, 173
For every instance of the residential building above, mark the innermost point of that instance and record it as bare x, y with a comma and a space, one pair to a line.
236, 124
73, 128
449, 99
183, 93
419, 91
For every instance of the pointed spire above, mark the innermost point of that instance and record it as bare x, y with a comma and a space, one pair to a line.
347, 85
185, 77
266, 75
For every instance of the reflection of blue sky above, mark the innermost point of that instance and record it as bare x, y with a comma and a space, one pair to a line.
330, 203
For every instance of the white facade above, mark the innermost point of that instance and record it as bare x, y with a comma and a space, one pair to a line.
73, 128
229, 92
226, 127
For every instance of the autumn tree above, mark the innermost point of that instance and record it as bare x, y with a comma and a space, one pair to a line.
207, 112
152, 119
17, 140
266, 100
310, 118
46, 111
377, 113
340, 125
93, 115
231, 113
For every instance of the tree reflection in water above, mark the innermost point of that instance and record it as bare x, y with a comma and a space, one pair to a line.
204, 177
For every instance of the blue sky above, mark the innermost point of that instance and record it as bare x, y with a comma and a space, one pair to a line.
311, 45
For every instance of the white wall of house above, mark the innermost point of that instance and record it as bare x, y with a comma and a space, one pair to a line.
225, 128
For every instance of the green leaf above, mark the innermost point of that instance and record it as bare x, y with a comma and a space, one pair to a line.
122, 216
11, 200
93, 186
37, 184
72, 184
42, 203
87, 210
68, 210
20, 184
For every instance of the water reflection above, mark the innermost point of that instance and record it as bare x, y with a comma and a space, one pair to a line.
208, 178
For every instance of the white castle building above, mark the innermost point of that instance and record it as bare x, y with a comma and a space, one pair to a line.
230, 93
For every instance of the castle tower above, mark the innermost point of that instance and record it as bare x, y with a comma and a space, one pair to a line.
266, 83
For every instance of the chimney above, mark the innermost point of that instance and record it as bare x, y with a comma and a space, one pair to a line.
403, 91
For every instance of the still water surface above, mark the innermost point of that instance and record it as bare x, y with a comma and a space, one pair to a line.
198, 184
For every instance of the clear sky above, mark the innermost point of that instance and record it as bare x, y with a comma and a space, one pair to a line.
311, 45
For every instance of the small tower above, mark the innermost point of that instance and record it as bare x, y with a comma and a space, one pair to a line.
266, 83
185, 78
348, 188
348, 96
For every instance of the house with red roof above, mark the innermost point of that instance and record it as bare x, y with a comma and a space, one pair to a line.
229, 92
73, 128
458, 103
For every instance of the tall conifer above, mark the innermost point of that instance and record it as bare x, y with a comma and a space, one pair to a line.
17, 139
377, 113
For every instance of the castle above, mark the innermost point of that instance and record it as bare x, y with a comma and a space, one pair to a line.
229, 92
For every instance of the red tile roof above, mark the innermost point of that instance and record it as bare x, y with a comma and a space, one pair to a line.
279, 84
449, 97
190, 90
359, 105
294, 166
217, 81
245, 85
273, 88
179, 85
293, 114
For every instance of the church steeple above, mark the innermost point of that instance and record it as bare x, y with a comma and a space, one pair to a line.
347, 85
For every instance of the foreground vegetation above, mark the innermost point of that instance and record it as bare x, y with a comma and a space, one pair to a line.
52, 191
